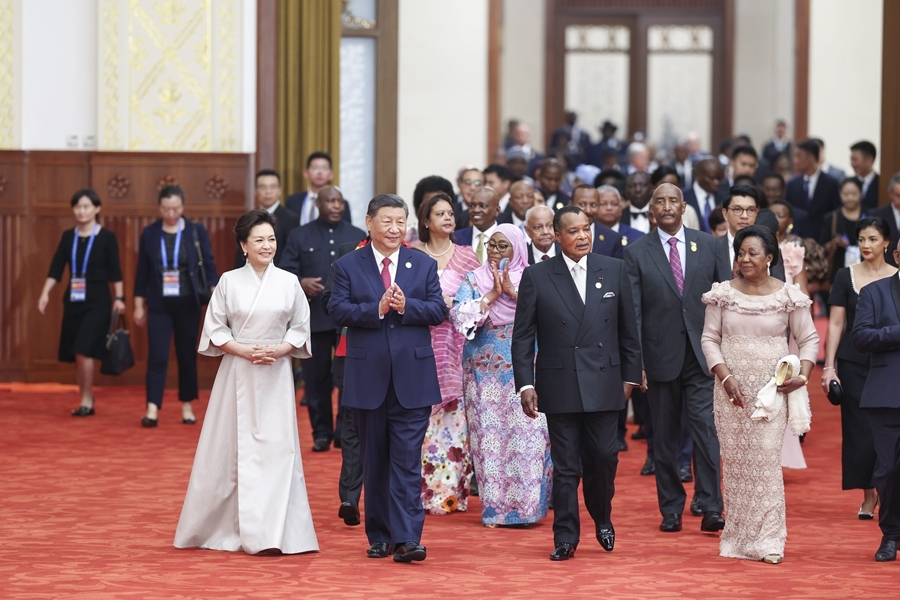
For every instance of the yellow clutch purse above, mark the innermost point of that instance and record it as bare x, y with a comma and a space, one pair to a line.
784, 373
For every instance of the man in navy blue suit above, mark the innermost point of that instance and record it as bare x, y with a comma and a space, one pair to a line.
705, 193
387, 295
877, 330
484, 209
812, 192
609, 213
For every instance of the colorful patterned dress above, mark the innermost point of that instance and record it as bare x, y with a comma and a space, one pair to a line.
446, 466
511, 452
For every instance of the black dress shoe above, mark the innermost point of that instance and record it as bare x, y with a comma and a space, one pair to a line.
685, 475
321, 445
649, 467
189, 421
349, 513
83, 411
640, 434
408, 552
148, 422
696, 510
379, 550
606, 535
671, 523
622, 446
563, 551
887, 551
712, 521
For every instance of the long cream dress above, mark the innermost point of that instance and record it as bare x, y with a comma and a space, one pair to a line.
748, 334
247, 490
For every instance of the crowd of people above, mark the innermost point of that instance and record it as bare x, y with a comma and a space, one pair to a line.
491, 345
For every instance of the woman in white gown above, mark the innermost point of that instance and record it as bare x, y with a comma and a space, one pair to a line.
247, 490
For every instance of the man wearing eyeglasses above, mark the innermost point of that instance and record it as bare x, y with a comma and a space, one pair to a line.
468, 181
318, 173
740, 208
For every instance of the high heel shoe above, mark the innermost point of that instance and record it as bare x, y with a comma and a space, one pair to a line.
772, 559
84, 411
867, 516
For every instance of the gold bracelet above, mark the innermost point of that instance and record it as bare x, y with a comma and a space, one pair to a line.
804, 378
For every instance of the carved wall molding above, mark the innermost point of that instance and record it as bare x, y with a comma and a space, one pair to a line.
215, 187
3, 182
118, 186
164, 181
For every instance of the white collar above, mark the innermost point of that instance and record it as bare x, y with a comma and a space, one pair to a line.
487, 234
679, 235
868, 178
271, 210
700, 192
571, 263
379, 257
536, 252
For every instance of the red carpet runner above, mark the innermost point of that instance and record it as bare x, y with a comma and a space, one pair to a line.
90, 508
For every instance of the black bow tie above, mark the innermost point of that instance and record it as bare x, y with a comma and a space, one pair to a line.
639, 213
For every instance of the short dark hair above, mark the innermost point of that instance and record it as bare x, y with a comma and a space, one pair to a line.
267, 173
553, 163
247, 221
785, 204
715, 218
810, 147
865, 147
774, 175
767, 219
607, 174
741, 190
854, 180
501, 171
386, 201
749, 150
725, 145
818, 142
319, 154
91, 195
878, 223
432, 183
168, 191
763, 234
744, 180
661, 172
583, 186
424, 213
565, 210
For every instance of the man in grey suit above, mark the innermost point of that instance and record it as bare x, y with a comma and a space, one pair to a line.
670, 269
578, 307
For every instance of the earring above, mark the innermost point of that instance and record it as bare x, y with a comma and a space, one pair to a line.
245, 255
768, 268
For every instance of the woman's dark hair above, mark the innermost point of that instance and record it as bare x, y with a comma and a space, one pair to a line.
248, 221
787, 205
167, 191
767, 219
661, 172
425, 213
879, 224
432, 183
91, 195
715, 218
763, 234
853, 180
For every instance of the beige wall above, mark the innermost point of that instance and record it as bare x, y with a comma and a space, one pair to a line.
522, 66
442, 95
845, 75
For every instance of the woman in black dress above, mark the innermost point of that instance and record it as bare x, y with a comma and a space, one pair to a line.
852, 367
92, 253
839, 227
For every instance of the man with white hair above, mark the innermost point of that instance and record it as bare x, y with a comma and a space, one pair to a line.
609, 213
638, 158
539, 228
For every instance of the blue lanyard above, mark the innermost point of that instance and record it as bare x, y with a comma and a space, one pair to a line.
87, 253
162, 247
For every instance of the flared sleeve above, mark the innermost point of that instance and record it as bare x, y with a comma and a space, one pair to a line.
711, 338
216, 326
297, 334
801, 323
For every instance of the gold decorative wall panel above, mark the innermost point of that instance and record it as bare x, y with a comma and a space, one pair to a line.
170, 75
10, 73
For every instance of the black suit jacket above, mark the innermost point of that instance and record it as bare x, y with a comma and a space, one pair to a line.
531, 252
506, 215
658, 303
608, 242
690, 197
294, 203
285, 222
886, 213
826, 197
561, 199
587, 350
871, 198
725, 270
877, 330
311, 250
770, 152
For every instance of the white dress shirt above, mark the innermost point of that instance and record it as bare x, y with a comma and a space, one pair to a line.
867, 181
813, 180
641, 224
579, 275
310, 212
520, 223
682, 248
504, 201
392, 268
705, 201
731, 247
538, 255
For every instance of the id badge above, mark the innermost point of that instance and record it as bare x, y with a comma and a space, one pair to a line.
171, 286
78, 289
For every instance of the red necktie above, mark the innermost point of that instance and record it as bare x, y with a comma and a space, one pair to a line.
675, 263
386, 273
544, 257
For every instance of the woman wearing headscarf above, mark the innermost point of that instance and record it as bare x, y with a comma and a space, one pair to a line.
511, 452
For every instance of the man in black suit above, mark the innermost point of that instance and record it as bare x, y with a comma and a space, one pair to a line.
578, 307
877, 331
862, 159
669, 271
468, 180
891, 213
549, 182
318, 173
311, 249
637, 192
605, 241
812, 192
744, 162
500, 178
740, 209
779, 144
484, 208
705, 193
539, 229
521, 199
268, 197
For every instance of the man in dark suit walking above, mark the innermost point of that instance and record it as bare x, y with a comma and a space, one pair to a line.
670, 269
812, 191
268, 197
891, 212
637, 192
578, 307
877, 330
740, 209
862, 159
387, 295
704, 194
310, 251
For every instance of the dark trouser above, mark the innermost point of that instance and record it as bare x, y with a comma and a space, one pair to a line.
648, 419
858, 457
687, 444
180, 315
886, 431
350, 483
692, 393
318, 384
582, 446
391, 437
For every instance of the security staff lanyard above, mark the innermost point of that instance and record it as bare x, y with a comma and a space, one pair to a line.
171, 284
78, 285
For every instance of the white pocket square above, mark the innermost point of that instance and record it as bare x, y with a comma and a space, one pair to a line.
609, 295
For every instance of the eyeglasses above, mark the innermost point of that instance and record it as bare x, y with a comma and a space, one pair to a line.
475, 182
492, 247
740, 210
319, 169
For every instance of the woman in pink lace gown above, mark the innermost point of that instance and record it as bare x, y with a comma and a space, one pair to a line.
744, 336
446, 465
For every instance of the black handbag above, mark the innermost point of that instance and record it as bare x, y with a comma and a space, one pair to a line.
835, 392
119, 356
203, 294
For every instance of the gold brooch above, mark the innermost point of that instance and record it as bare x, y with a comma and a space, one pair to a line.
600, 237
693, 246
624, 241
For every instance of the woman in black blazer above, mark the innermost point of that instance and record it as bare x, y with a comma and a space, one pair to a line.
167, 289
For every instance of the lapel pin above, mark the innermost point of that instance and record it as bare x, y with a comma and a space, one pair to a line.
600, 237
409, 265
624, 241
693, 246
559, 205
598, 285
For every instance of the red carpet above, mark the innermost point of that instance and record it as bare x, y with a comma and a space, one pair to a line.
90, 508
